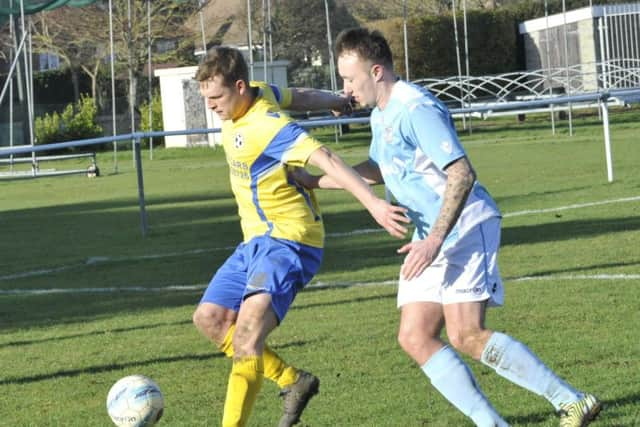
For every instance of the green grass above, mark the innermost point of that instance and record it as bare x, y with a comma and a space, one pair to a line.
61, 352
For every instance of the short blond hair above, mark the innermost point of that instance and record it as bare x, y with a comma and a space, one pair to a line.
226, 62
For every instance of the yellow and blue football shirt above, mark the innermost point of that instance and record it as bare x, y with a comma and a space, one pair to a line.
260, 147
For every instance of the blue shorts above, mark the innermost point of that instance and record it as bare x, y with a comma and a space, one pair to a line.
278, 267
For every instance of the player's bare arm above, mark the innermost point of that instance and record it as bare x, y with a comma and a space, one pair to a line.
390, 217
303, 99
421, 253
460, 179
368, 171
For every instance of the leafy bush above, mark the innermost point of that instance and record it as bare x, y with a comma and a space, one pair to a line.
77, 121
48, 128
156, 119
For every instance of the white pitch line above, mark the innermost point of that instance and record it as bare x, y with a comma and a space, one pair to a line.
568, 207
323, 285
101, 259
578, 277
104, 259
355, 232
314, 285
38, 272
177, 288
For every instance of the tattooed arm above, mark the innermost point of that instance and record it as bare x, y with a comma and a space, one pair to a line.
421, 253
460, 179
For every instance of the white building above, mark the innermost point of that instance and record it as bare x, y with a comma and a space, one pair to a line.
601, 45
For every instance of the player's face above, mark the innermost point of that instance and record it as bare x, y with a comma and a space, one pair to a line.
226, 101
359, 80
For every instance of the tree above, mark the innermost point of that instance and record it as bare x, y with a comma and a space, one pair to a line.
77, 37
300, 34
373, 10
80, 37
132, 36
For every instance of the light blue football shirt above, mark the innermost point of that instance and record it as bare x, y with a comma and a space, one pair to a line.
413, 141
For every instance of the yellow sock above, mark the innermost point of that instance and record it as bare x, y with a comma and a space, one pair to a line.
227, 344
244, 384
275, 368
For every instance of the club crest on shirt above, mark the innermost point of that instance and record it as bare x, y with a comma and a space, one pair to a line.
446, 146
388, 134
238, 140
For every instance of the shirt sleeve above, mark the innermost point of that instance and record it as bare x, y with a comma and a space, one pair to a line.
292, 145
283, 95
299, 153
432, 131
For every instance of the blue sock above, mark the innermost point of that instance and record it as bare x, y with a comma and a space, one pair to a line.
515, 362
453, 379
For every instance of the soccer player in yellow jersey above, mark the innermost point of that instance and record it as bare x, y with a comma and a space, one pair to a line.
282, 228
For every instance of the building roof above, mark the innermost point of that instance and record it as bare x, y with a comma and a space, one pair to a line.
576, 15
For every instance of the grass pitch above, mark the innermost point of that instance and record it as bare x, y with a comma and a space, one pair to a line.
75, 315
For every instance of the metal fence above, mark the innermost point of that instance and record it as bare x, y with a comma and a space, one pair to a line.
603, 98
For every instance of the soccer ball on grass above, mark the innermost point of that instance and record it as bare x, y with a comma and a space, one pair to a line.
135, 401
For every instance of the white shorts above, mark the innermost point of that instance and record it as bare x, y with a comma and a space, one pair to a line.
465, 272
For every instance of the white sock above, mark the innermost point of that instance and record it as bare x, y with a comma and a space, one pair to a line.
453, 379
515, 362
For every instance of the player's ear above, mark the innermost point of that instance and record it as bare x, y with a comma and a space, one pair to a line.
240, 86
377, 71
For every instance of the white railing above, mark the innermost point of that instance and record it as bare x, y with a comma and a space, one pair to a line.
536, 84
35, 161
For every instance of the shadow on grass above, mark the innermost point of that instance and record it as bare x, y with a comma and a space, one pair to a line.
120, 203
580, 268
609, 415
530, 419
535, 194
47, 310
558, 230
303, 306
67, 373
20, 343
61, 234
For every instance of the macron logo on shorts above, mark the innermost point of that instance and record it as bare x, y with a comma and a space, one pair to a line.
477, 290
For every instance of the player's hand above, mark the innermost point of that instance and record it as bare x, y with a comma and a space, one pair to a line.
420, 255
391, 218
303, 177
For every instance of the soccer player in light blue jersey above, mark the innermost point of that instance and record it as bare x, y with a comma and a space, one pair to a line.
450, 272
283, 232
